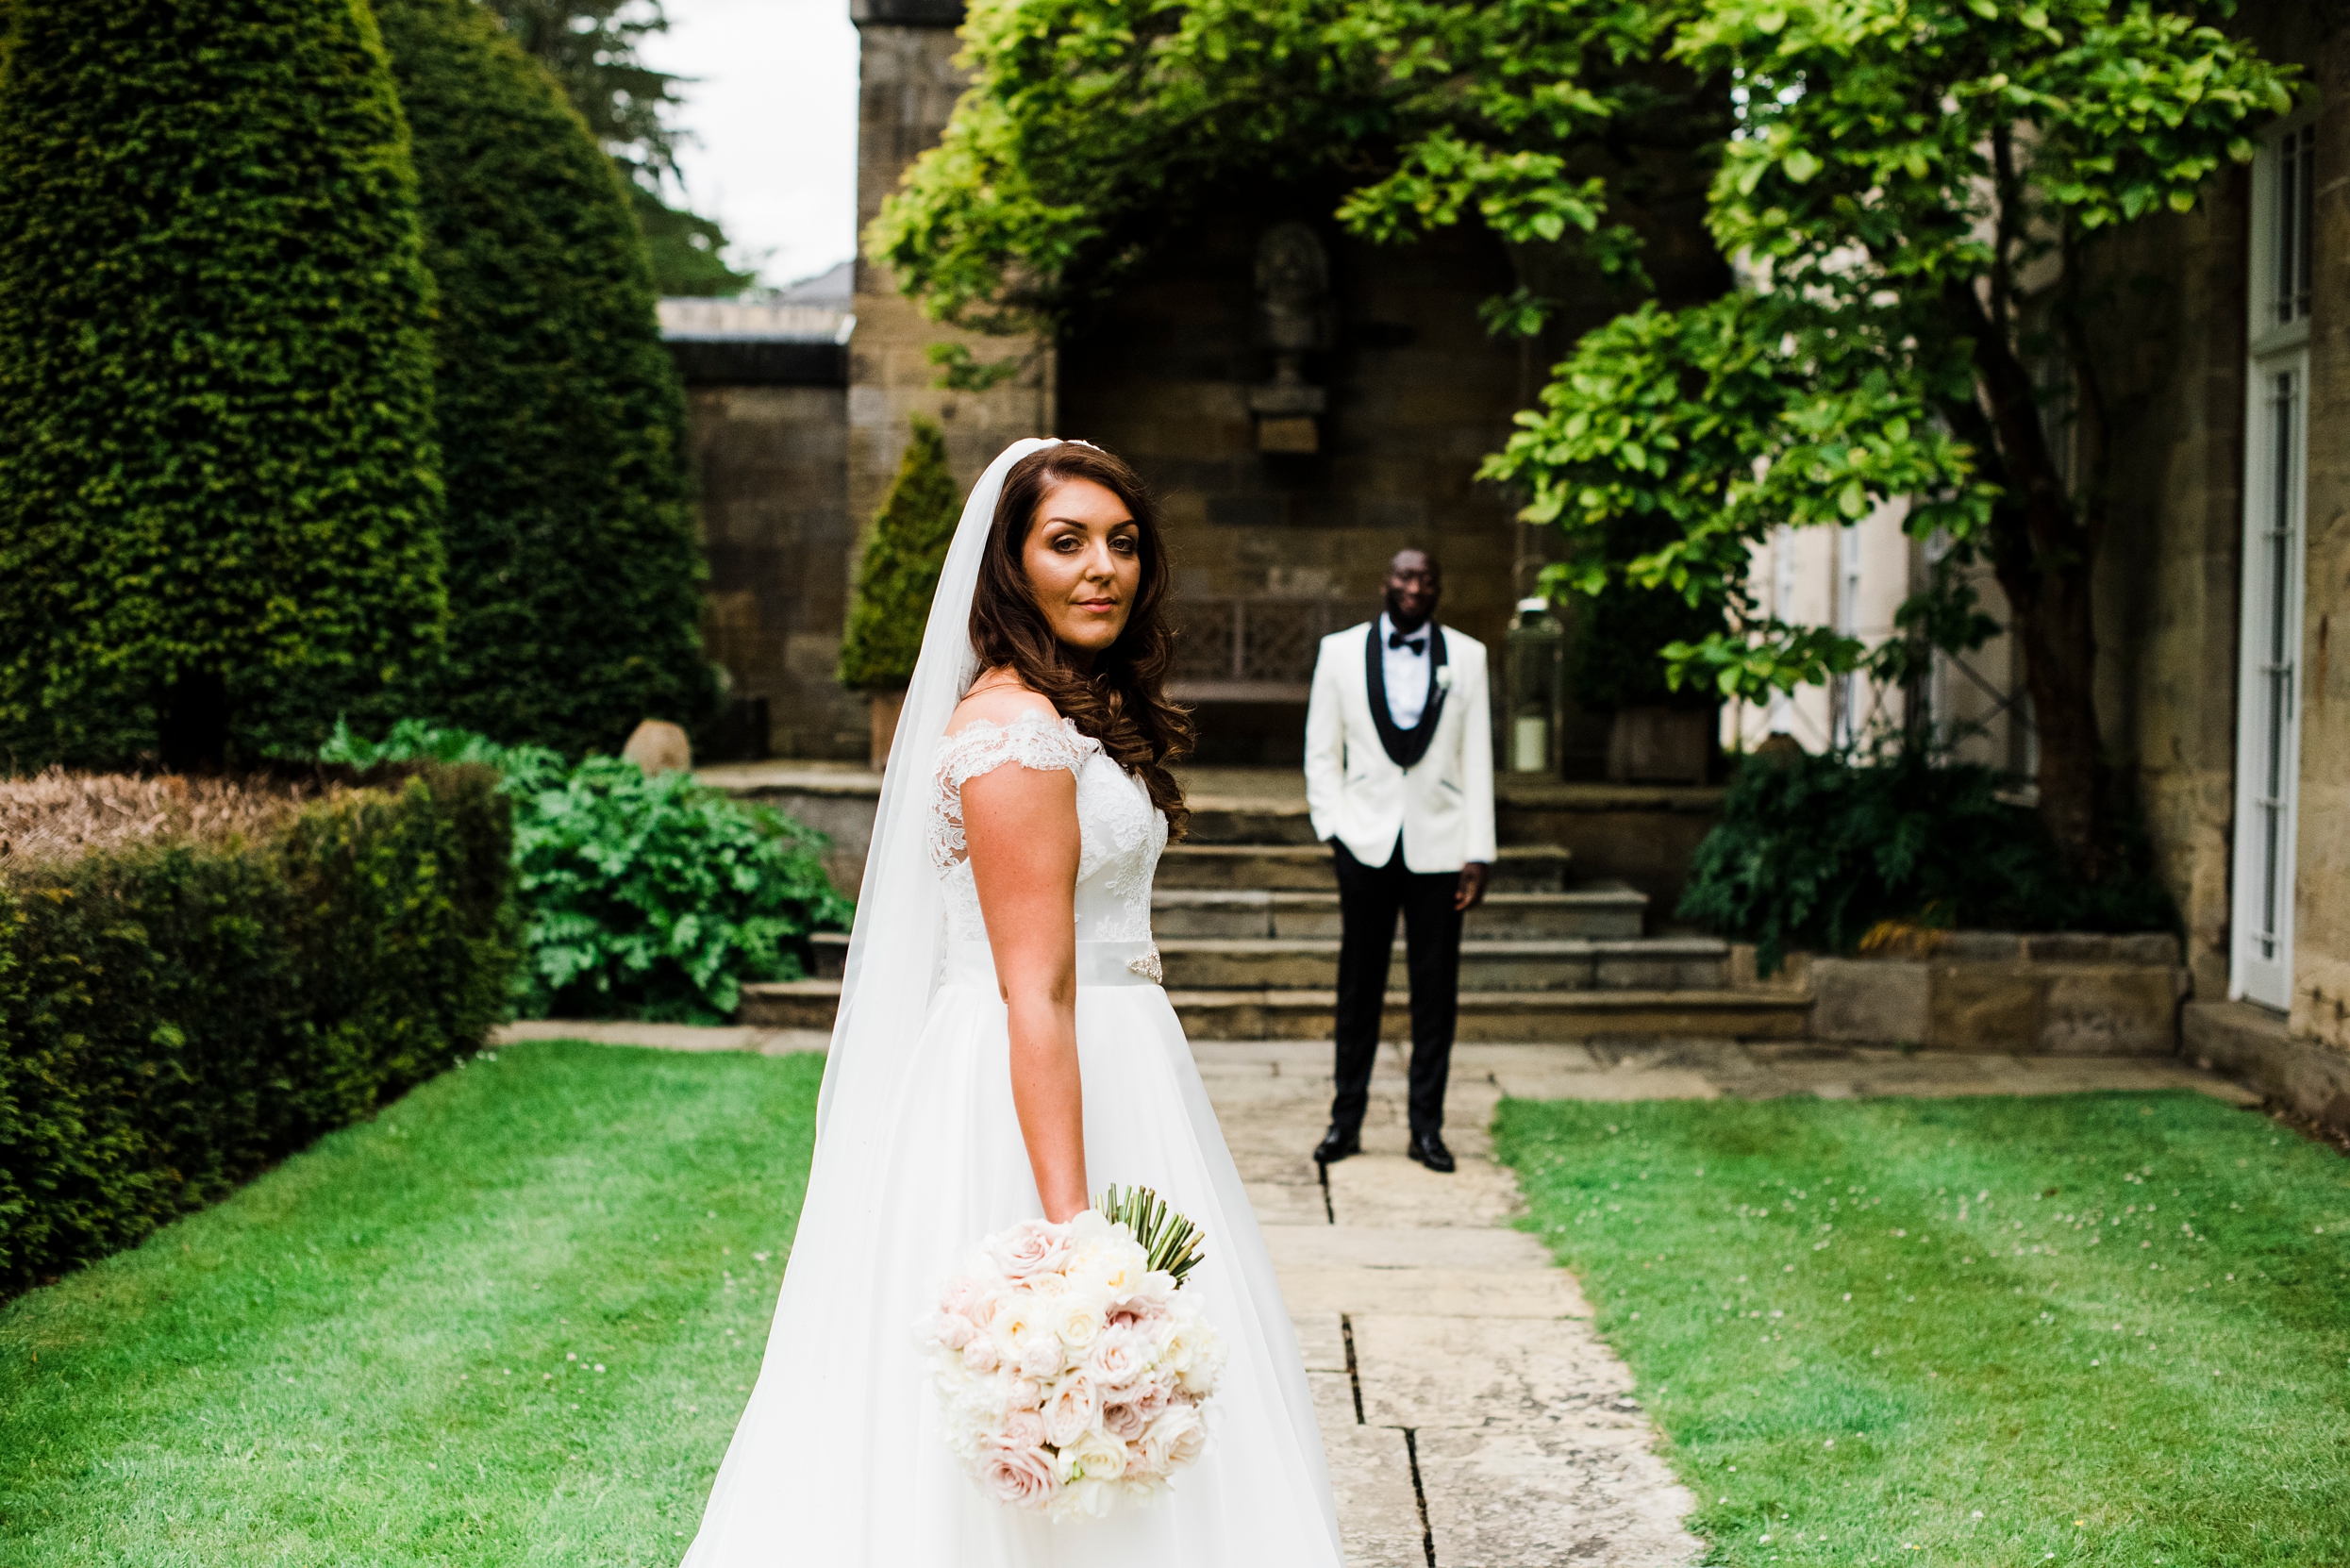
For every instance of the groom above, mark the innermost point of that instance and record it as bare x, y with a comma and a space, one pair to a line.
1399, 779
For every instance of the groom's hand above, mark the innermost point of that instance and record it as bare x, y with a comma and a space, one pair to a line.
1471, 890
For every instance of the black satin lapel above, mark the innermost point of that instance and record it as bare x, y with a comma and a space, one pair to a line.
1393, 741
1414, 741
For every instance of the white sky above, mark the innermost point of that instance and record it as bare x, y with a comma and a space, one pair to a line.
773, 122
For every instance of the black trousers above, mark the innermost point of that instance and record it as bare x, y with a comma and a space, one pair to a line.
1368, 899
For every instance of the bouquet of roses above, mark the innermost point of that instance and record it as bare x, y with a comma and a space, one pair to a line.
1070, 1372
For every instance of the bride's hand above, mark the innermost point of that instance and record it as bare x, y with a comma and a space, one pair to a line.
1020, 826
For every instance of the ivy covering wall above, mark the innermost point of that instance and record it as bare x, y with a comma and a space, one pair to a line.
219, 500
575, 571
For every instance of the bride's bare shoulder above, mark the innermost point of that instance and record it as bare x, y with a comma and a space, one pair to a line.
1001, 701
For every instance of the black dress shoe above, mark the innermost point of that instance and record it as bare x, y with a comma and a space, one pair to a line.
1337, 1145
1429, 1149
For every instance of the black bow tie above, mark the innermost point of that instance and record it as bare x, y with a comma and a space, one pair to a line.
1397, 640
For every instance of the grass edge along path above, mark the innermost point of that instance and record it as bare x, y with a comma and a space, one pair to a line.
512, 1320
2107, 1329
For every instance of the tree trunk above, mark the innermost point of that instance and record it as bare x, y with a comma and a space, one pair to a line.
2045, 560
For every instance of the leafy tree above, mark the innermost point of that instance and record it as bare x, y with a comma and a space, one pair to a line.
900, 569
1896, 173
590, 46
219, 508
574, 567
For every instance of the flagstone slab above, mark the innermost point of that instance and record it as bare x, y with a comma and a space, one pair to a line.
1490, 1373
1637, 1083
1287, 1203
1384, 1190
1322, 1341
1329, 1247
1378, 1511
1589, 1496
1436, 1292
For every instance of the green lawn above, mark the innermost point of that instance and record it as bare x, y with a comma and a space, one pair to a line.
510, 1321
2109, 1330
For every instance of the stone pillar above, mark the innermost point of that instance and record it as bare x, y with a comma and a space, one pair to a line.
908, 87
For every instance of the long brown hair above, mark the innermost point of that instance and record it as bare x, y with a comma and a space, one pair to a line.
1123, 703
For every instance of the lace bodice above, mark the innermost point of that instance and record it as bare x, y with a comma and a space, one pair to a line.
1120, 832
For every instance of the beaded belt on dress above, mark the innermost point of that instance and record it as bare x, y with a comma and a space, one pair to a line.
1099, 963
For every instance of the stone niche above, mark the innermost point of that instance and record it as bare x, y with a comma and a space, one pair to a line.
1280, 533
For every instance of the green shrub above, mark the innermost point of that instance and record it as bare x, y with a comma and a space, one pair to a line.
1616, 660
1813, 851
900, 569
642, 897
179, 1012
574, 567
219, 508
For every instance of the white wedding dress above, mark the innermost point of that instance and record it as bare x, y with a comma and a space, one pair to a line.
840, 1460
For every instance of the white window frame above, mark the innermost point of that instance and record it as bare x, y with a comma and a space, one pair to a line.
2275, 543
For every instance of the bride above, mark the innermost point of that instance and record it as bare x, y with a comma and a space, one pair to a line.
1004, 1050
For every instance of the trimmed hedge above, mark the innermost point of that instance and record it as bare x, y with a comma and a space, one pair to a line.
175, 1015
575, 570
219, 502
899, 570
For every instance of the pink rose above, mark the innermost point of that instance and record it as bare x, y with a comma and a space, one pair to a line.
1018, 1476
1123, 1422
1026, 1395
1175, 1438
1071, 1410
954, 1330
979, 1355
962, 1293
1030, 1247
1153, 1394
1118, 1358
1024, 1428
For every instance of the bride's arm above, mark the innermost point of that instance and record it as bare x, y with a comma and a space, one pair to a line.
1021, 826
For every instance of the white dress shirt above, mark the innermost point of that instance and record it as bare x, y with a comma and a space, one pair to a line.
1406, 672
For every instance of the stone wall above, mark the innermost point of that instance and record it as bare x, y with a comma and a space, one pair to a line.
907, 90
769, 469
2321, 1003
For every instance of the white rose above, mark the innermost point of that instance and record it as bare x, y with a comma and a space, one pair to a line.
1078, 1318
1094, 1457
1086, 1499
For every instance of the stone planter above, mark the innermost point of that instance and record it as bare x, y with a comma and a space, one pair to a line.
1660, 745
885, 709
1997, 993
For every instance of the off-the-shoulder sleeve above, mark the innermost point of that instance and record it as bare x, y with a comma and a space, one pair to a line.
1033, 740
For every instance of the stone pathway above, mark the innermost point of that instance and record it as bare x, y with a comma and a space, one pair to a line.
1473, 1418
1471, 1415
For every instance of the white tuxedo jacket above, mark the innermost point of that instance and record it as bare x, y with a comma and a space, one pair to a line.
1442, 805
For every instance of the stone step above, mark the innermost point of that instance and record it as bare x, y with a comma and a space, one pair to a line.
1606, 911
1526, 1016
1311, 963
1305, 868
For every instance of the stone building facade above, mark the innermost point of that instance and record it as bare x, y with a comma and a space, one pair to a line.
2224, 354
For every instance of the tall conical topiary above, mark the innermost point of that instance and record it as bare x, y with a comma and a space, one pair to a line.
900, 569
574, 571
219, 510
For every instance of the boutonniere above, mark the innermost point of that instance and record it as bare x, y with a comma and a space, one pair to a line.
1444, 678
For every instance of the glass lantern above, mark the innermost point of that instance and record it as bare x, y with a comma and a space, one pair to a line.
1534, 690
